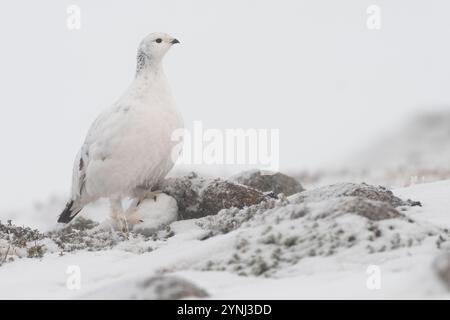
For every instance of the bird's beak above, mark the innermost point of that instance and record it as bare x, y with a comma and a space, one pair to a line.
174, 41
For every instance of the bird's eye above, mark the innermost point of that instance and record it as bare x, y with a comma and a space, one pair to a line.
159, 40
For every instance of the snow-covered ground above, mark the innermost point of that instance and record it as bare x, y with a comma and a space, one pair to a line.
284, 249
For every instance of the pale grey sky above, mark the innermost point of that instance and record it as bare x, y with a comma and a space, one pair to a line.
310, 68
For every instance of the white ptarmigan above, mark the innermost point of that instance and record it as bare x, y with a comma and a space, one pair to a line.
129, 148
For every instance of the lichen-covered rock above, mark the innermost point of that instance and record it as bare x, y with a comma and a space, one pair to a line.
362, 190
198, 197
442, 268
275, 183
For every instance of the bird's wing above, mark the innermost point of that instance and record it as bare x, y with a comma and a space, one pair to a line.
79, 172
98, 133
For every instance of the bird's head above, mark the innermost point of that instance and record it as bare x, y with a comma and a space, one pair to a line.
153, 48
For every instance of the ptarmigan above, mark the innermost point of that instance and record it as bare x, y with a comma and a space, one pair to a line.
129, 148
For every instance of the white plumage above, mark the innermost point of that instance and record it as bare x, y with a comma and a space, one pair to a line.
128, 148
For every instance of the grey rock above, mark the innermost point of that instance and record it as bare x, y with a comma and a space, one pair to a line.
155, 287
223, 195
187, 192
275, 183
168, 288
442, 268
198, 197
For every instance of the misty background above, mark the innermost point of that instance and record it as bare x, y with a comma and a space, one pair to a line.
309, 68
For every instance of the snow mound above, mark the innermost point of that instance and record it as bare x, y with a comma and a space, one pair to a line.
273, 235
377, 193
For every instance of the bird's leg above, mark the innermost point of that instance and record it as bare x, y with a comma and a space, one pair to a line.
116, 208
118, 215
141, 194
132, 214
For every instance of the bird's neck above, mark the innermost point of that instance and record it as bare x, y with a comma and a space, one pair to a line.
147, 66
150, 78
149, 73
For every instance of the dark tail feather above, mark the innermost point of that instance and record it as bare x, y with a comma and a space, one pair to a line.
69, 212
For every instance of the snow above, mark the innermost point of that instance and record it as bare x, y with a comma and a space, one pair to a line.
435, 198
199, 253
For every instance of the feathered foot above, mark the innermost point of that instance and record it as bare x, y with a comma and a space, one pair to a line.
142, 194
